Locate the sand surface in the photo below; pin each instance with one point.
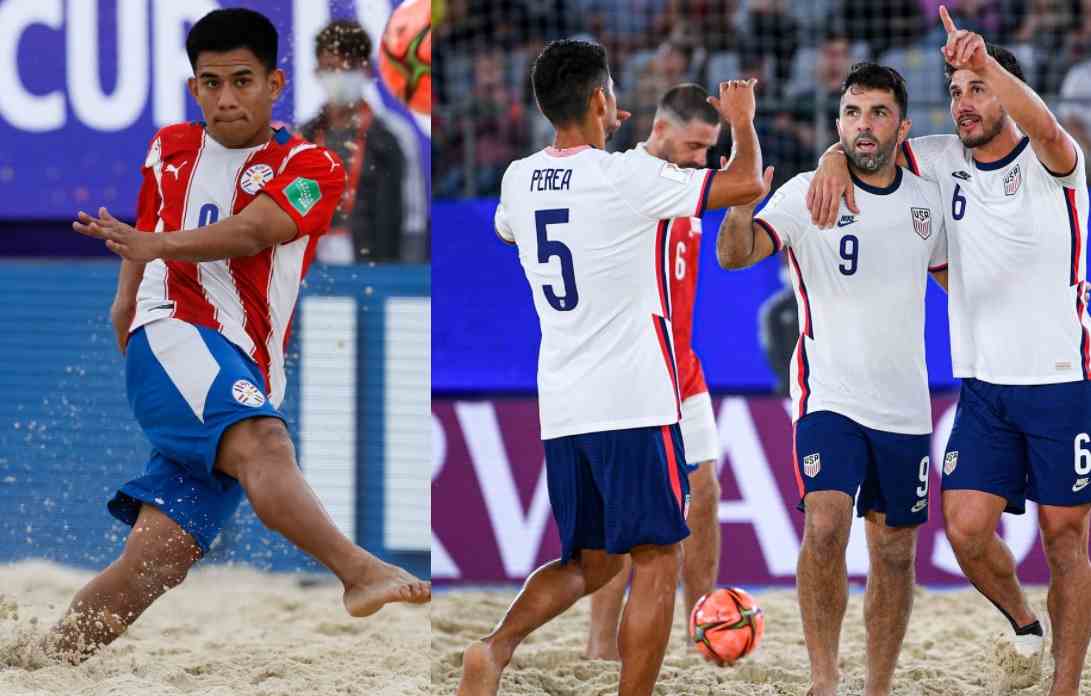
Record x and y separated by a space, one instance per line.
953 648
225 632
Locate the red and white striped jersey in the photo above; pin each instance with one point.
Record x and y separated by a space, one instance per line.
190 180
685 254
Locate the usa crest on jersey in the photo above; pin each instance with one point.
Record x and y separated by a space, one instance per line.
812 464
922 222
1012 180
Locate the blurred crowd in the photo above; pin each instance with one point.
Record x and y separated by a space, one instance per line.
800 50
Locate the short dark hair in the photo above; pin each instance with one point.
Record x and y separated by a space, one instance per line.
220 31
875 76
1006 58
689 101
565 75
344 38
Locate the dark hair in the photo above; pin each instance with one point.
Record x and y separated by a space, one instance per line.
220 31
344 38
689 101
565 75
875 76
1006 58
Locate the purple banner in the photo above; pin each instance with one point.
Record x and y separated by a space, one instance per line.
491 520
85 85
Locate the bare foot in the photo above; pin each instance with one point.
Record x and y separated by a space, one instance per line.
602 650
383 584
815 691
480 671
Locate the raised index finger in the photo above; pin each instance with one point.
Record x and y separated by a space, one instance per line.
945 17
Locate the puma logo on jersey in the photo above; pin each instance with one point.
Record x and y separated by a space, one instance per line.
920 505
846 220
1079 485
175 169
333 163
961 174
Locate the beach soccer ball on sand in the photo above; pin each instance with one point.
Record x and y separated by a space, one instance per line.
726 625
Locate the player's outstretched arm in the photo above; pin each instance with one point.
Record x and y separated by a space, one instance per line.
740 181
259 226
966 50
831 181
740 243
123 309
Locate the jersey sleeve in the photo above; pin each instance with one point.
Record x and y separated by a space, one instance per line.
923 154
148 201
309 189
785 217
501 221
656 188
1077 178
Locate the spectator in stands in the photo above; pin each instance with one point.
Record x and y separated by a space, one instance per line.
831 67
670 66
368 223
1074 110
883 25
1045 29
770 30
710 22
624 26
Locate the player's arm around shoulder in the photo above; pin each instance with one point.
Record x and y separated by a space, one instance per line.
742 240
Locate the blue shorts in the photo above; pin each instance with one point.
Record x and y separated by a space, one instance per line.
890 470
187 384
618 489
1024 441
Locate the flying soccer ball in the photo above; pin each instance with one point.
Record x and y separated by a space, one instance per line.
405 55
726 625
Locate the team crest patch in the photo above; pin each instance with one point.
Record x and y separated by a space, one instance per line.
950 461
812 464
1012 180
922 222
255 178
303 194
247 394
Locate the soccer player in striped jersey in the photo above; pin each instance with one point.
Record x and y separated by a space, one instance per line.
860 403
684 129
1015 198
591 234
228 218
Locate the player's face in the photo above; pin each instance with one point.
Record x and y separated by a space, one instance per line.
610 122
236 96
871 127
687 145
976 111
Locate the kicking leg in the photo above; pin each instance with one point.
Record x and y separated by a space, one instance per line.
156 558
259 453
646 625
1065 538
888 599
822 583
701 557
606 605
547 593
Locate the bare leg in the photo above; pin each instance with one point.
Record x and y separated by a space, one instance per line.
646 625
701 557
259 453
605 612
822 582
1065 538
156 558
888 599
970 520
547 593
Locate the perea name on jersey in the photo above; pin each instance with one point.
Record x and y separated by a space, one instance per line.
190 180
591 228
860 289
1017 245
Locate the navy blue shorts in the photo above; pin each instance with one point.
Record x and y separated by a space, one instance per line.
187 385
1022 441
618 489
890 470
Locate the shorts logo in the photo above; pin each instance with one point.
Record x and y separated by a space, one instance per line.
1080 484
1012 180
950 461
920 505
303 194
247 394
685 508
922 222
812 464
255 178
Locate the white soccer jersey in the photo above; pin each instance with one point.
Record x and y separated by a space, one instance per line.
860 289
591 228
1017 291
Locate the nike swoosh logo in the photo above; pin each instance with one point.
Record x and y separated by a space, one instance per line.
1079 486
845 224
921 504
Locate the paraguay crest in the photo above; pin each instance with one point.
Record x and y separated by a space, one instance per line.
1012 180
922 222
255 177
247 394
812 464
